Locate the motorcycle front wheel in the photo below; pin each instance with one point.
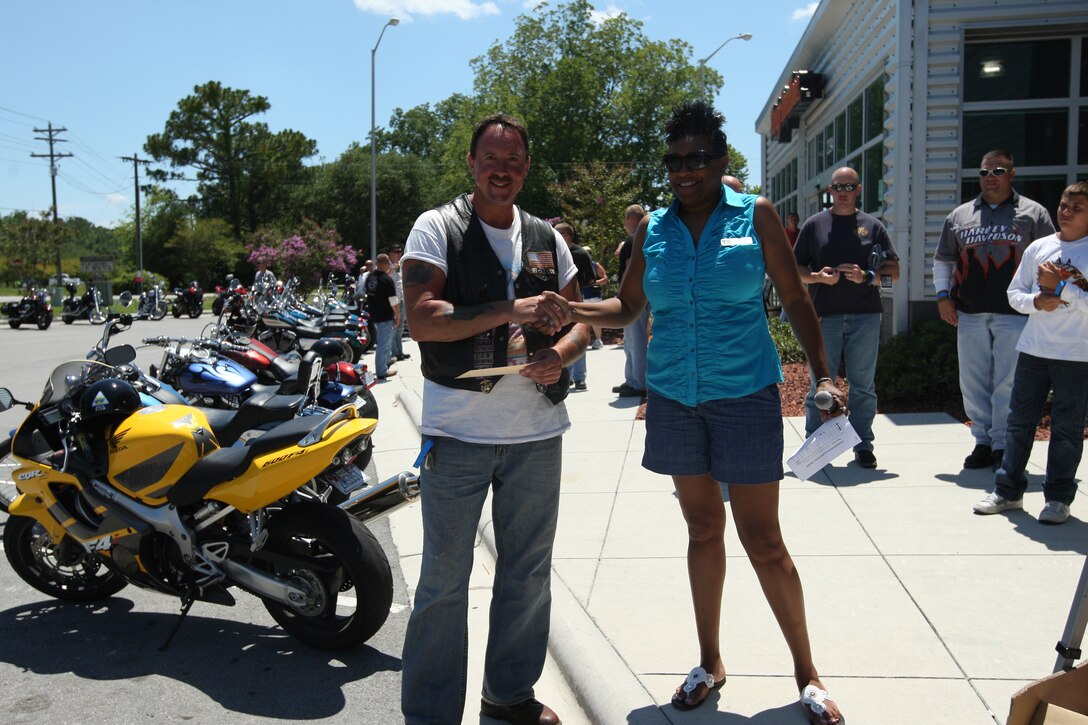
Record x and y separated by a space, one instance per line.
159 312
97 318
14 323
195 311
8 464
176 310
348 584
45 319
62 571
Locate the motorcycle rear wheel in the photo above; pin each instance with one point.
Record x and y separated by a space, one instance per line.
159 312
37 561
349 589
176 310
8 464
195 311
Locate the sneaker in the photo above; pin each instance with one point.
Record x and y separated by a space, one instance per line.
1055 512
995 504
580 385
865 459
997 456
981 457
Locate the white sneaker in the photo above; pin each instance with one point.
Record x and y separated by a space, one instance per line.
994 504
1055 512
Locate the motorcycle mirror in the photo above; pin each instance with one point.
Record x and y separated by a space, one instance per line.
126 298
7 400
120 355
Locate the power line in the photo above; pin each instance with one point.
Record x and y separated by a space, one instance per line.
24 115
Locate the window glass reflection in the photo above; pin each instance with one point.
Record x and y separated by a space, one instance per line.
1016 70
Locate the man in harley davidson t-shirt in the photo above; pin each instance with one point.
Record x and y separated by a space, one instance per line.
384 308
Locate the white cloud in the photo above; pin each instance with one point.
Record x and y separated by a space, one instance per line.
116 199
405 9
800 13
599 16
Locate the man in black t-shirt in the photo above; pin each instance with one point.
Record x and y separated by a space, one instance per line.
384 307
843 253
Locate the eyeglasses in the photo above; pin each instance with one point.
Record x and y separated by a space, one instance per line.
693 161
845 187
996 171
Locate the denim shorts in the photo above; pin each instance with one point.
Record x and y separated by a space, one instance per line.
735 440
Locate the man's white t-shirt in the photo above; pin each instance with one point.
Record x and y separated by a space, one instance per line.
514 411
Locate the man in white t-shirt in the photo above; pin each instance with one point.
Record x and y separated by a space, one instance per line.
474 273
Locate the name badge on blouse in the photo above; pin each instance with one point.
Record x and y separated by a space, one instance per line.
738 242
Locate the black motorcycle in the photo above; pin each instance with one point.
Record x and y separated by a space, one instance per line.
33 308
189 300
150 306
88 307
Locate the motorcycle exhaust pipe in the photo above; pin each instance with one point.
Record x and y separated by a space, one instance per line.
383 498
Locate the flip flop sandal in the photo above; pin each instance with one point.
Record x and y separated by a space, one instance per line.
812 699
696 677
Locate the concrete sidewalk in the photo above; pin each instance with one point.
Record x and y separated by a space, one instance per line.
918 610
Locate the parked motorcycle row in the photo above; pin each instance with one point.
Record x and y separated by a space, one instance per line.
36 309
232 465
33 309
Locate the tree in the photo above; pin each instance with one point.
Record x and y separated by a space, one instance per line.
592 200
202 249
239 164
587 91
33 240
307 253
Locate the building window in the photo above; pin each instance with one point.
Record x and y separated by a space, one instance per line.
1015 70
855 138
1022 94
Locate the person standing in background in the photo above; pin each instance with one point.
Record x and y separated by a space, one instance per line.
636 335
980 248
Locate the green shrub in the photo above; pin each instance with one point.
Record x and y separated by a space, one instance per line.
789 349
921 363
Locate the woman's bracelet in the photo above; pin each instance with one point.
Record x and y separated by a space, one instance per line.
942 295
820 380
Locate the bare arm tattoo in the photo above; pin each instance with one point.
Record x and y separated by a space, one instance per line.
467 313
418 274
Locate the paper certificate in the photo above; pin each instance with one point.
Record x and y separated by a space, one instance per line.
832 439
487 372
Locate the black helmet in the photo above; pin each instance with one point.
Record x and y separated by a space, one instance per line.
330 349
106 400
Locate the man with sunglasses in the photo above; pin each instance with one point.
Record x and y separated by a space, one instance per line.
976 258
835 253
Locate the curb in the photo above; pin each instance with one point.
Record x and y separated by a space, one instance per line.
584 655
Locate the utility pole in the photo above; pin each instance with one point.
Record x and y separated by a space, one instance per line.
136 161
52 156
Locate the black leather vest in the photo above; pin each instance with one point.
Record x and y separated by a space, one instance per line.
474 277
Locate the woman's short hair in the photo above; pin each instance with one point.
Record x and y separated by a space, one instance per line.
697 118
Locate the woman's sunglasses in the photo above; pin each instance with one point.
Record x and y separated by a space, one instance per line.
693 161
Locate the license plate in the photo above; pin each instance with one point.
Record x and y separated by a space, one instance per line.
369 379
347 479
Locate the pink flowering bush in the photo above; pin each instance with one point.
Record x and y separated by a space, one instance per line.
308 253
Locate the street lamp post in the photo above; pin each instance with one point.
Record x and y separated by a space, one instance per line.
702 63
373 149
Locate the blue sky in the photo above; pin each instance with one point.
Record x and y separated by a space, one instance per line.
111 71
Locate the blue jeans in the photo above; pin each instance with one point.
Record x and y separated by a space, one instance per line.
857 338
525 480
578 369
383 347
1033 379
986 345
397 348
635 340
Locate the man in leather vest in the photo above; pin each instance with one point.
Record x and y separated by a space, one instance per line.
474 274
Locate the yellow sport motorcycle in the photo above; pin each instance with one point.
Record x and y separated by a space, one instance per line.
114 491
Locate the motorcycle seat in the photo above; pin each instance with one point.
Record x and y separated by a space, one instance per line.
225 464
256 411
282 368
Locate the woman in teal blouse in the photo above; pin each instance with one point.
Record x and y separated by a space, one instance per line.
713 413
